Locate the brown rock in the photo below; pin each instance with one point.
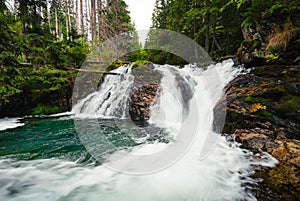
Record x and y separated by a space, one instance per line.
262 113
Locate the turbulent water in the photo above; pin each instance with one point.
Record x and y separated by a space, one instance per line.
46 159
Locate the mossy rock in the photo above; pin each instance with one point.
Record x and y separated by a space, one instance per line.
251 99
140 63
250 44
273 93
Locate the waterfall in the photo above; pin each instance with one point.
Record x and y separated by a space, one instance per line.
185 109
187 97
109 101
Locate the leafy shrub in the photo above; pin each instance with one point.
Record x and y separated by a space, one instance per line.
45 110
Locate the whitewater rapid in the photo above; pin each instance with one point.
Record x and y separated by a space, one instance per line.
220 173
9 123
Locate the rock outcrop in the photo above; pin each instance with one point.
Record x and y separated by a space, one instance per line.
263 113
142 99
269 43
145 90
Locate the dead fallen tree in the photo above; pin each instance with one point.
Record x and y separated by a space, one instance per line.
94 71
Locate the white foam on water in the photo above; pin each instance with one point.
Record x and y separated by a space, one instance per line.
9 123
109 101
223 174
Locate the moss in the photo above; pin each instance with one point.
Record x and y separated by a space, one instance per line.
139 63
45 110
272 59
289 104
116 64
249 99
250 45
273 93
294 103
262 101
280 178
268 115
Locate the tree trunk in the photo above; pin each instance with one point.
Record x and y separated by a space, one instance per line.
49 18
207 15
215 42
87 16
81 17
56 18
15 9
100 24
75 15
93 20
67 18
195 31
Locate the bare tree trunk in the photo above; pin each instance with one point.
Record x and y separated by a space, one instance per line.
69 15
75 14
93 20
56 19
88 14
100 22
49 18
15 9
67 18
215 42
207 15
195 31
81 17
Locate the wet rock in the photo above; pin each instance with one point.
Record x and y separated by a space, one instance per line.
145 91
262 113
142 99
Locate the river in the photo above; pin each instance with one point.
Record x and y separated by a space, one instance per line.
67 157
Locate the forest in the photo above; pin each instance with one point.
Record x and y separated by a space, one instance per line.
41 40
158 127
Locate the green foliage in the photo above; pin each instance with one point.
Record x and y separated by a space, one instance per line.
139 63
215 25
44 55
45 80
45 110
39 42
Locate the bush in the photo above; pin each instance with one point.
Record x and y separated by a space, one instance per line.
45 110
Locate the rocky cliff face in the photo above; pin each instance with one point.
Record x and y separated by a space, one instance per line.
263 113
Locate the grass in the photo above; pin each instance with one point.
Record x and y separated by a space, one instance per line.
281 39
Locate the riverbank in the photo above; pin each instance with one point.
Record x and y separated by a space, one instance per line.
263 114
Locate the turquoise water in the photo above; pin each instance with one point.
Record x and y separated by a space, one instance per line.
41 138
46 138
46 160
50 158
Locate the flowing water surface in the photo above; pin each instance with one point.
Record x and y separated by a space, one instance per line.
48 158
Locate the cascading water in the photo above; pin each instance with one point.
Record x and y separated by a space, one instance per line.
110 100
222 175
